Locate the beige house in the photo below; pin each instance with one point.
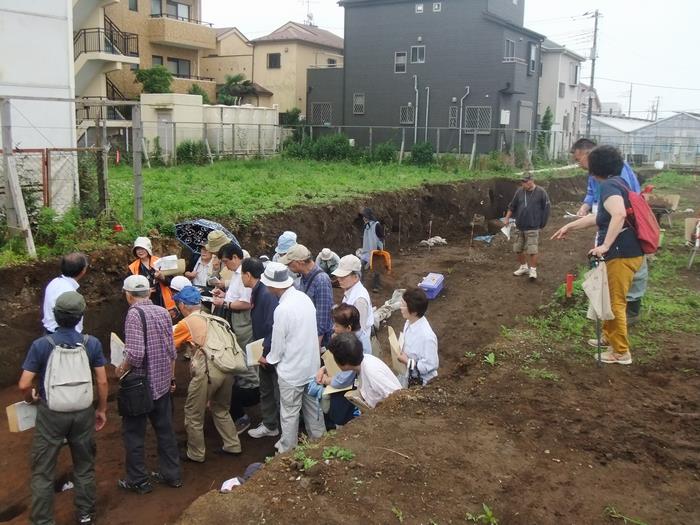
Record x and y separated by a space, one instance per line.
280 61
170 33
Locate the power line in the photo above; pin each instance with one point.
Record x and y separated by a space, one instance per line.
649 85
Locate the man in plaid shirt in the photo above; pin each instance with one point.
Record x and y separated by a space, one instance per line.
316 284
151 354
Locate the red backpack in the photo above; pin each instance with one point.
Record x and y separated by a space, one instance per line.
642 220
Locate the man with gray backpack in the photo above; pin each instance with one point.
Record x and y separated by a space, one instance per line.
64 362
216 357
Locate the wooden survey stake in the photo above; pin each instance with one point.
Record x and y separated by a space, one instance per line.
398 367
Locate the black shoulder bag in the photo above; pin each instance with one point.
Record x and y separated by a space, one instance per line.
134 397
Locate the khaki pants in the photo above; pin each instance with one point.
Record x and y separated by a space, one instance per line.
217 391
620 273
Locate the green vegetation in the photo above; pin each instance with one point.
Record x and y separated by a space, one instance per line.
235 87
487 516
336 452
398 513
196 89
155 80
422 154
192 152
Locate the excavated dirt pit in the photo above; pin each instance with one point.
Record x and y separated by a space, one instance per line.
469 438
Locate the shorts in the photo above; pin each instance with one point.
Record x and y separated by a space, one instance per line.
526 241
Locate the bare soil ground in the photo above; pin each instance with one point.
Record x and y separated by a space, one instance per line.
534 450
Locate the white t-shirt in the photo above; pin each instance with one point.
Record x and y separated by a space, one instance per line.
420 344
294 346
377 381
236 291
55 288
203 270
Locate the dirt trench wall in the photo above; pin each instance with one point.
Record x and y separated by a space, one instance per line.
406 215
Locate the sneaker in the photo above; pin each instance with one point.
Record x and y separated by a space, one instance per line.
533 274
594 343
85 519
140 488
242 424
262 431
611 357
523 270
158 478
222 452
278 444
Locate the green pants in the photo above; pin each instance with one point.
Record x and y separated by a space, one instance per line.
78 428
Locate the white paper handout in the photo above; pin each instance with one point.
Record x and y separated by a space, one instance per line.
169 262
116 347
254 352
506 231
21 416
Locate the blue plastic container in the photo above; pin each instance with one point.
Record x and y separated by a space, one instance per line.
432 284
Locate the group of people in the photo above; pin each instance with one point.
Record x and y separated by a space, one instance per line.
605 206
224 305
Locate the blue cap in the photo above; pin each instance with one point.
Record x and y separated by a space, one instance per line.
285 242
188 295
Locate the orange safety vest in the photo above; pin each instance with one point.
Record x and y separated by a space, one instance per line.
165 291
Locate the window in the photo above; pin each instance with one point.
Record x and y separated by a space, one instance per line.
565 125
562 89
400 62
437 7
156 60
179 67
477 118
406 115
509 51
178 10
156 7
358 103
133 5
133 67
419 9
321 113
574 72
274 60
453 117
532 58
417 54
332 62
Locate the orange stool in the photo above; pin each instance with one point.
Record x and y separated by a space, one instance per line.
382 254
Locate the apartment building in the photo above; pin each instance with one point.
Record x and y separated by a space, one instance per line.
466 65
170 33
560 90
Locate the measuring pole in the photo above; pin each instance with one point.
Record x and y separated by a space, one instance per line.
594 53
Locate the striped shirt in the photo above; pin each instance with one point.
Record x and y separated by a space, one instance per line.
317 285
160 354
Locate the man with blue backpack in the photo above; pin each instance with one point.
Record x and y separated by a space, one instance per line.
63 362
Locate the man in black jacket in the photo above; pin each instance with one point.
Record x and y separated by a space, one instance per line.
530 209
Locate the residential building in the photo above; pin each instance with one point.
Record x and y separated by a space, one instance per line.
281 59
468 66
171 34
612 108
560 91
36 60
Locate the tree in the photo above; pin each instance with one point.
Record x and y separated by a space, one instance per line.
234 89
155 80
544 137
196 89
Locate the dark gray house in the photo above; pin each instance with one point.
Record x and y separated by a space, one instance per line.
458 65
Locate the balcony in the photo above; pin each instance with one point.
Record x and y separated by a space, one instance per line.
176 31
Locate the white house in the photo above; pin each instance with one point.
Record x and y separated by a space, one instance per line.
560 91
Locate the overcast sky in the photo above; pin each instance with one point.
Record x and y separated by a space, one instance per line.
642 45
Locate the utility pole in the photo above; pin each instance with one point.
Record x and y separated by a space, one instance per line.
656 108
594 53
629 106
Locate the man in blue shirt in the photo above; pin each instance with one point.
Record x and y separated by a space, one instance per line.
53 427
580 150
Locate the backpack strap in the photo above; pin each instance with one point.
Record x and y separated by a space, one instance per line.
142 315
311 280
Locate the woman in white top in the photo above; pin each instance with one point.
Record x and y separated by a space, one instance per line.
348 272
203 268
419 347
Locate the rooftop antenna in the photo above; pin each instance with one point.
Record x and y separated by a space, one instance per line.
309 20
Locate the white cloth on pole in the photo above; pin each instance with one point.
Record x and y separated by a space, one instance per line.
595 285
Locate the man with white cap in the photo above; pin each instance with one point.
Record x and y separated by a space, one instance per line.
349 274
327 260
316 284
294 351
149 351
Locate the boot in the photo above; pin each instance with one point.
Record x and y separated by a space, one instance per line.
376 282
633 311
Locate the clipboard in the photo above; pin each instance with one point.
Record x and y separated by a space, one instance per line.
398 367
116 350
332 369
254 352
21 416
